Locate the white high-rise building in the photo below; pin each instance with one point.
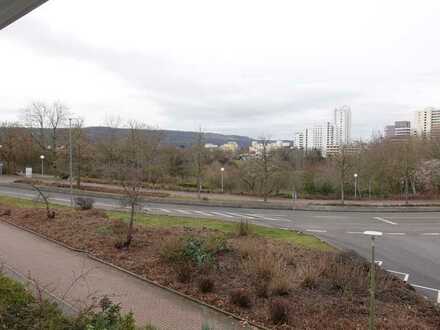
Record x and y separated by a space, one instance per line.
427 122
318 137
298 140
342 123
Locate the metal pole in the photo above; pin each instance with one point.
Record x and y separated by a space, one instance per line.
70 162
372 287
42 167
222 183
355 187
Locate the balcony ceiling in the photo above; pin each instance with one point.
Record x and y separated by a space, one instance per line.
12 10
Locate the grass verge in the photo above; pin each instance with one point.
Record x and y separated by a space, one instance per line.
166 221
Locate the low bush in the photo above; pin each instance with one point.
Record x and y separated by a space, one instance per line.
279 311
84 203
280 284
184 271
171 249
241 297
19 309
206 284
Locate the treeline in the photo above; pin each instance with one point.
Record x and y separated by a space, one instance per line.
407 168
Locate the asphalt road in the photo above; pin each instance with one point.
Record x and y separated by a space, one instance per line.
409 247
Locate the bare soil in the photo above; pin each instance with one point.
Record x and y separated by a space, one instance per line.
316 290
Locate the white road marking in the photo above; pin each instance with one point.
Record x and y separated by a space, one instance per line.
203 213
148 209
104 204
430 289
405 275
395 234
265 218
379 262
430 234
316 231
238 215
385 220
222 214
183 211
165 210
60 199
354 232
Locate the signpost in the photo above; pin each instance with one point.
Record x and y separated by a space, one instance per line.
1 168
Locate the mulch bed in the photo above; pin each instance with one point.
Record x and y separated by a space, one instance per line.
320 305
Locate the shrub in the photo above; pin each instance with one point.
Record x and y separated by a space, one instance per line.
279 311
171 249
206 284
242 228
240 297
184 271
280 284
84 203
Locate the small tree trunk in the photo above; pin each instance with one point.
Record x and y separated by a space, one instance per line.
406 191
130 226
369 188
342 193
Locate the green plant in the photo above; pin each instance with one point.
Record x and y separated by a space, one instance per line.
196 250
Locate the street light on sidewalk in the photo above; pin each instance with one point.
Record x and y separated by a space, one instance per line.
373 235
42 165
355 185
222 170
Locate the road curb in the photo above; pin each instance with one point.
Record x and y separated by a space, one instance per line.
143 279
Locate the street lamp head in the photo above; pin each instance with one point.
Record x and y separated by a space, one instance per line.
372 233
355 175
42 157
222 169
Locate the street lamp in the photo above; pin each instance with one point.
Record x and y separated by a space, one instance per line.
355 185
222 170
373 235
42 165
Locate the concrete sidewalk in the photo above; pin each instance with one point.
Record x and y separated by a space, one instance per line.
76 279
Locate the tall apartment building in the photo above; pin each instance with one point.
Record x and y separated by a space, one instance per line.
427 122
400 129
342 122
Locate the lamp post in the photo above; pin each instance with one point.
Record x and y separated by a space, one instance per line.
222 170
70 162
355 185
42 165
373 235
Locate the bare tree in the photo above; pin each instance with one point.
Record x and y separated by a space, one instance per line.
129 170
41 117
199 154
343 164
266 167
49 213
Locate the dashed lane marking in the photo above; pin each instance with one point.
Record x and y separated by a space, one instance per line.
183 211
430 234
165 210
395 234
316 231
265 218
203 213
385 220
222 214
238 215
354 232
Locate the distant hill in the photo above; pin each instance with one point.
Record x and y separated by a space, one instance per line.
176 138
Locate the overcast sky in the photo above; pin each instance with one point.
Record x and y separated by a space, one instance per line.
241 67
